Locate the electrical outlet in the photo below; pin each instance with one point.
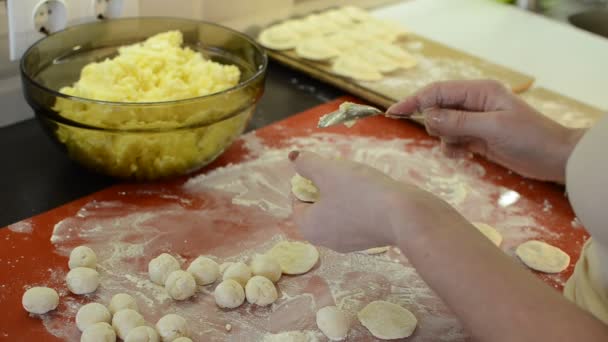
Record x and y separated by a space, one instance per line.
31 20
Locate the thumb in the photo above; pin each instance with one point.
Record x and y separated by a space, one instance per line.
321 171
458 123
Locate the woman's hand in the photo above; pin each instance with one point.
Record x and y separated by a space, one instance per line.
360 207
486 118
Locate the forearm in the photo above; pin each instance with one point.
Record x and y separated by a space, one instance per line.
496 299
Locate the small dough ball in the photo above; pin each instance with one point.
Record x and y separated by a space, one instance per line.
171 327
204 270
265 266
160 267
82 280
490 232
238 271
40 300
224 266
304 189
229 294
387 320
294 257
182 339
90 314
98 332
126 320
142 334
333 322
122 301
260 291
82 256
542 257
180 285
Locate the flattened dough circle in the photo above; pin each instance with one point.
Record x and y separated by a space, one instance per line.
387 320
542 256
490 232
294 257
356 68
304 189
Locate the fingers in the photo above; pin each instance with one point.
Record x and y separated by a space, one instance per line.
321 171
480 95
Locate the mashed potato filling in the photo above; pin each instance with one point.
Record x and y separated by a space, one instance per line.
156 70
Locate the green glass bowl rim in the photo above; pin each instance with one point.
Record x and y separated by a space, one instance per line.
259 73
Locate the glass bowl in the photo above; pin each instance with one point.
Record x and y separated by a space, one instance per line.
142 141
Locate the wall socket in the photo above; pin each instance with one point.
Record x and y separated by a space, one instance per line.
31 20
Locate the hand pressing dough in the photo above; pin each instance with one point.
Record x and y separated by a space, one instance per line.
333 322
355 67
316 49
294 257
142 334
90 314
490 232
260 291
82 280
229 294
82 256
40 300
180 285
279 37
265 266
204 270
542 257
98 332
387 320
304 189
238 271
171 327
126 320
122 301
160 267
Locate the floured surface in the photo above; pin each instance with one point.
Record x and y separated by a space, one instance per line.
242 207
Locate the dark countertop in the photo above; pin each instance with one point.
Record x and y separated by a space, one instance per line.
35 176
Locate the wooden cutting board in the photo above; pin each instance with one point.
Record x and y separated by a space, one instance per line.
436 62
128 224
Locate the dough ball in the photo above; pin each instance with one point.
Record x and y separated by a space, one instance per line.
142 334
82 256
229 294
333 322
160 267
82 280
171 327
40 300
90 314
180 285
126 320
98 332
122 301
260 291
387 320
294 257
303 189
542 257
265 266
182 339
224 266
489 232
204 270
238 271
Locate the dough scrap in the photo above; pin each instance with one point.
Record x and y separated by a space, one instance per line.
205 270
171 327
229 294
90 314
265 266
40 300
304 189
355 67
316 49
180 285
160 267
333 322
122 301
98 332
260 291
142 334
377 250
82 280
126 320
239 272
387 321
542 257
490 232
294 257
82 256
